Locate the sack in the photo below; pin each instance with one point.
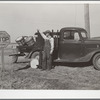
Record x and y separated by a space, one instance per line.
34 62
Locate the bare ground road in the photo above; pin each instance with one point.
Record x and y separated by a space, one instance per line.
78 77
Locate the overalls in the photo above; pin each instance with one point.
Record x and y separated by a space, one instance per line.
46 61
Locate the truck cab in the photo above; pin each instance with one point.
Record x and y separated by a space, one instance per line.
75 46
71 44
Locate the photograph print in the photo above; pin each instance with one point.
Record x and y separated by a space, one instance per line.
50 46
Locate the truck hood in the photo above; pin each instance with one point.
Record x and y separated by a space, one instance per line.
94 40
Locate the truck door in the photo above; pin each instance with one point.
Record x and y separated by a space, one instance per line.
70 46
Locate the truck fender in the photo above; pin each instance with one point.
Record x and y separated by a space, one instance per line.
93 54
30 54
90 56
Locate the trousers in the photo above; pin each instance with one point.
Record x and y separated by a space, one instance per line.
40 59
46 60
46 56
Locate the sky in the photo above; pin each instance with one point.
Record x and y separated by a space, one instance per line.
19 19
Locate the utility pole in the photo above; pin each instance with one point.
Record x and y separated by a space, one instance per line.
87 19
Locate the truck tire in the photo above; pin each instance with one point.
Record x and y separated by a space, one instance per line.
96 61
15 58
35 55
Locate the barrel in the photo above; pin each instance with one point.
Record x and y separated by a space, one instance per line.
20 41
29 41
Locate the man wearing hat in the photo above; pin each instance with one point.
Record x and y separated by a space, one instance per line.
48 50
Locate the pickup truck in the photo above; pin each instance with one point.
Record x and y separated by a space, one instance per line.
72 45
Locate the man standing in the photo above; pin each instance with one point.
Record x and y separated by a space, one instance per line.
48 50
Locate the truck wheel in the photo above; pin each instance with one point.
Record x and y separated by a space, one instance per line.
35 55
15 58
96 61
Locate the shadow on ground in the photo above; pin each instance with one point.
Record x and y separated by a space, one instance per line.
83 64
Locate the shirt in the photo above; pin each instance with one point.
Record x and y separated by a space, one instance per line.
51 41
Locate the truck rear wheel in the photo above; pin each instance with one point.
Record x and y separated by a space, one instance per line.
96 61
35 55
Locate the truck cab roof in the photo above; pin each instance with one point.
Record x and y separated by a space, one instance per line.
73 28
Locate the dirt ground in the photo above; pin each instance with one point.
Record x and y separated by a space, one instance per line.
78 77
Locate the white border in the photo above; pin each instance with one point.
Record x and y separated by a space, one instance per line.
50 94
51 2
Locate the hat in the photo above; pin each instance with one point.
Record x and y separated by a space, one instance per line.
47 31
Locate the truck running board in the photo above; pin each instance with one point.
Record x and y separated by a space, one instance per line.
61 60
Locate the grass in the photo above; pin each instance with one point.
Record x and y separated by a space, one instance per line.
59 78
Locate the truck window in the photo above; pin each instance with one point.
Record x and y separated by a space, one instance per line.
66 35
76 36
84 34
71 35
